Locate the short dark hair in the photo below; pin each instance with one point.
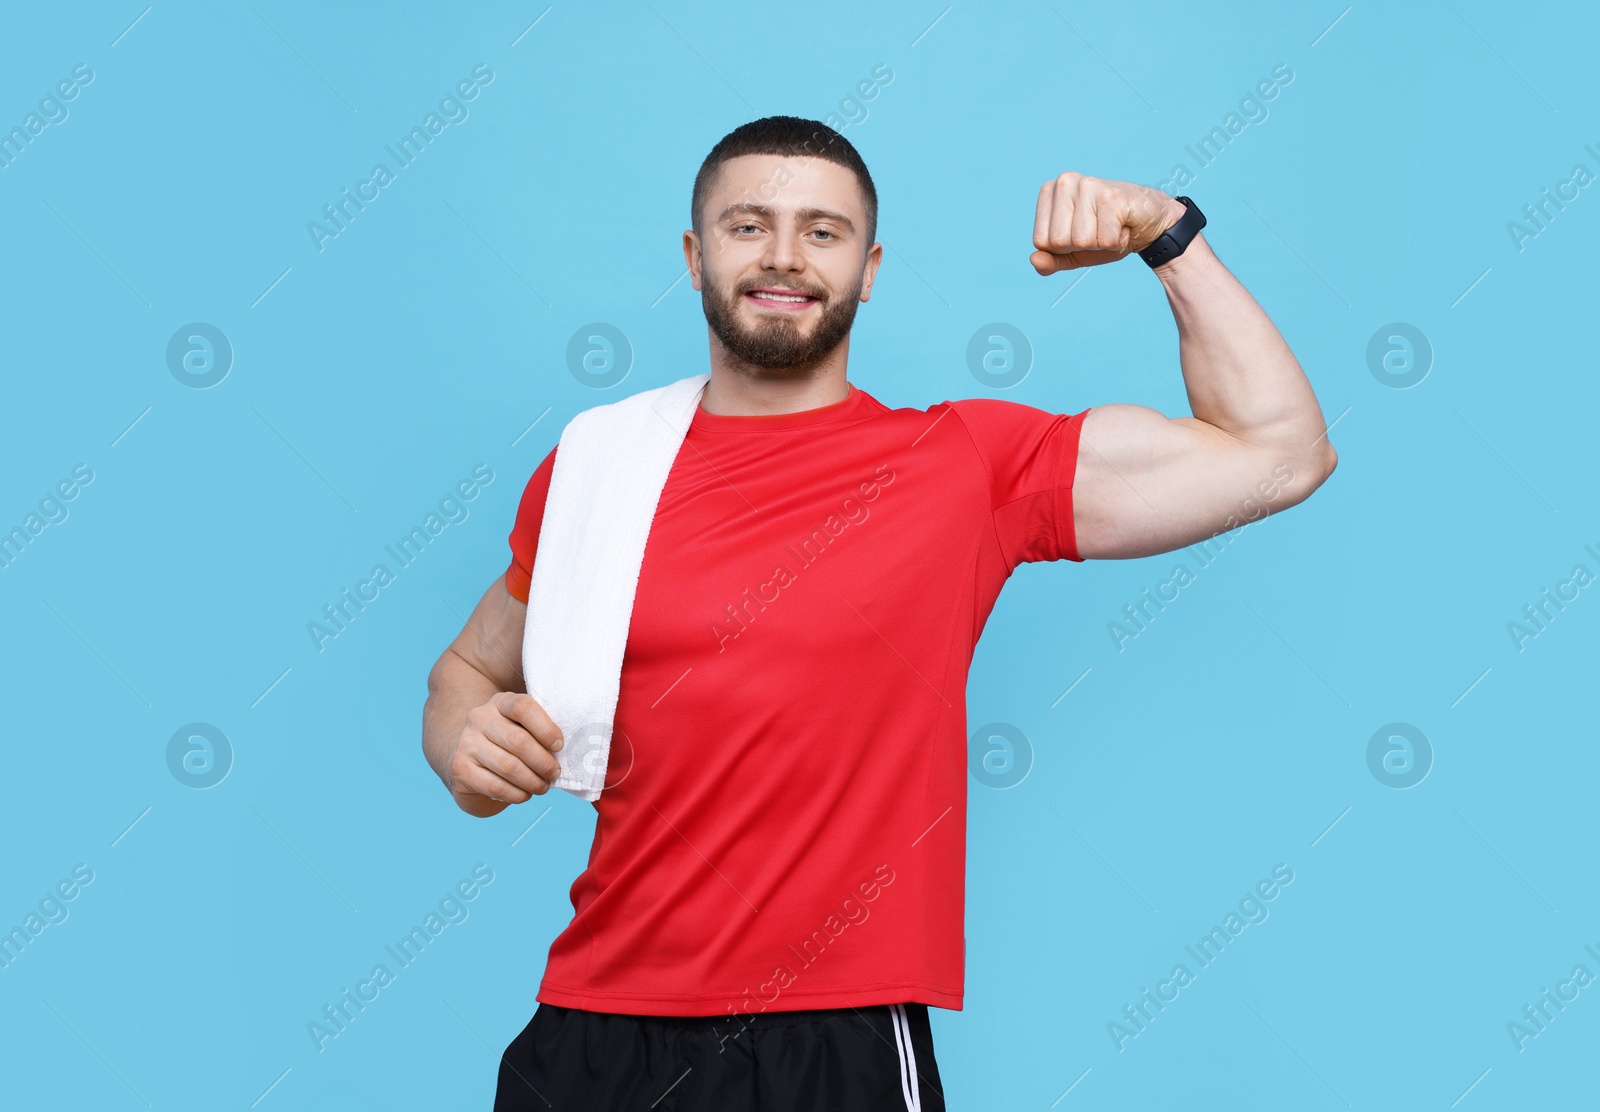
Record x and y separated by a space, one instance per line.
789 136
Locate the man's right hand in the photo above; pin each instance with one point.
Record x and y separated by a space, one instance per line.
489 743
504 754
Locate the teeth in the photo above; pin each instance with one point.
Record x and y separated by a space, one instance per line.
781 297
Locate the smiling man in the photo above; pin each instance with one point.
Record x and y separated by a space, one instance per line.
774 895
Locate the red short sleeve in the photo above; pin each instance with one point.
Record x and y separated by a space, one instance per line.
524 537
1031 456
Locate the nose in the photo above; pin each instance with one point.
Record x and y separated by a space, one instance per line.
783 250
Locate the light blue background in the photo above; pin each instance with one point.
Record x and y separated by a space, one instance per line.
429 335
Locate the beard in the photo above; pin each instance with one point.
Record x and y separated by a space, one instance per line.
777 343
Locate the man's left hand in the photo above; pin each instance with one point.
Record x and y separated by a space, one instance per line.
1083 221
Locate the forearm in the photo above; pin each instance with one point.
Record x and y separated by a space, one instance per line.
454 688
1240 374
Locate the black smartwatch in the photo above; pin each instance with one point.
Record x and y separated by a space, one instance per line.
1172 242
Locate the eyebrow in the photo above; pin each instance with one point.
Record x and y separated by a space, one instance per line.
806 214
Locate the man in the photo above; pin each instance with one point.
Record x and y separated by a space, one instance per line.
774 896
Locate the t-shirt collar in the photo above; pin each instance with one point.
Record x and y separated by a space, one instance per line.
773 422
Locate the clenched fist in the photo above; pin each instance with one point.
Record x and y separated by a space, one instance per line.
505 753
1084 221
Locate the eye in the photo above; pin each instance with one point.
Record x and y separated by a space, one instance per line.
823 232
741 227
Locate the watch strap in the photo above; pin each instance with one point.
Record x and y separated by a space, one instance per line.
1171 243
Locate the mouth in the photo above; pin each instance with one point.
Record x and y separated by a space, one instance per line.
781 298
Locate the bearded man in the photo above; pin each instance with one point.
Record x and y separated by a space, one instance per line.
774 895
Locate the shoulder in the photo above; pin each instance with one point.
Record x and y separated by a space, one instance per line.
531 506
985 425
999 427
989 413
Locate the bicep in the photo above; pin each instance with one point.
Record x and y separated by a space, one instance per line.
491 641
1147 483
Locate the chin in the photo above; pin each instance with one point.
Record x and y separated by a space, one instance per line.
765 345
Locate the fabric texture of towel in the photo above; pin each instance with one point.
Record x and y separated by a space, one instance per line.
611 464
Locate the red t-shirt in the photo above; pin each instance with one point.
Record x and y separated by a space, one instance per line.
785 826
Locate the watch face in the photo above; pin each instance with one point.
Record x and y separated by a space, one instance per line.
1187 225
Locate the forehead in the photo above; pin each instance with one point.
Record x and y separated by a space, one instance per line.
785 182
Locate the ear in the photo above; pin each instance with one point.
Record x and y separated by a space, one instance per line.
869 269
692 256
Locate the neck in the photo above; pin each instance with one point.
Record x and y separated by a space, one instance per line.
737 389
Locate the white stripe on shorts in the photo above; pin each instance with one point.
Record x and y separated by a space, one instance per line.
908 1057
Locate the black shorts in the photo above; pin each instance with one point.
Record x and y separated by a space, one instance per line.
839 1059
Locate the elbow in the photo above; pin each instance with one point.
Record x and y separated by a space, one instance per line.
1328 461
1311 469
1296 474
1322 464
436 674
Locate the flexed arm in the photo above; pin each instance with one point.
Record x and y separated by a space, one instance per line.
1256 442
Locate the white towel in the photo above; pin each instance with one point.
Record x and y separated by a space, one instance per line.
611 464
